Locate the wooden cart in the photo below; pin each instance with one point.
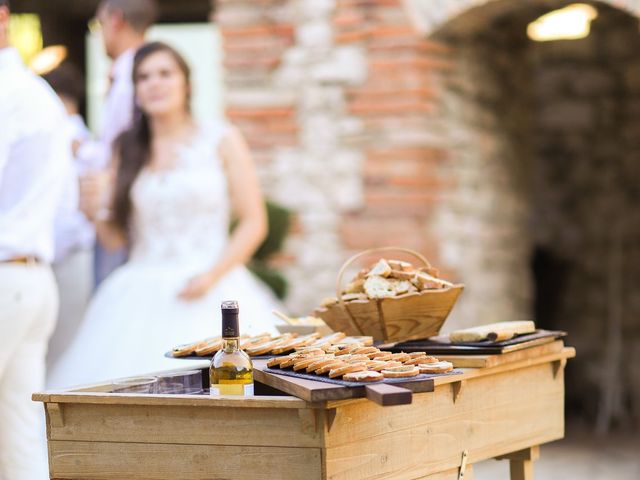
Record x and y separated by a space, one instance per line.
502 411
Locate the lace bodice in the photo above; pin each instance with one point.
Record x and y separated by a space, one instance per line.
181 215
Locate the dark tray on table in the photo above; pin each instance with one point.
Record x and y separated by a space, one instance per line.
441 345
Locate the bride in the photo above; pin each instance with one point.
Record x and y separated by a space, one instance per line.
174 184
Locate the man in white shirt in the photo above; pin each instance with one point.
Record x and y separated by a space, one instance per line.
123 24
74 234
35 158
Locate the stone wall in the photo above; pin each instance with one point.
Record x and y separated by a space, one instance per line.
483 226
336 100
543 221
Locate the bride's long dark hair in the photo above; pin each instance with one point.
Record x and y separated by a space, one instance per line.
133 146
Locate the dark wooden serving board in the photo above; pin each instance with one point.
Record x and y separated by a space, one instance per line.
441 345
395 392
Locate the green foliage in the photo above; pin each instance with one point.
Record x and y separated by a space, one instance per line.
279 220
270 276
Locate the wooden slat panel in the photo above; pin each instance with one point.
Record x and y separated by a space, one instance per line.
467 373
451 474
88 397
494 415
416 316
564 354
186 425
302 388
137 461
486 361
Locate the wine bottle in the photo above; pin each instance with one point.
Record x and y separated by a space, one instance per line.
231 371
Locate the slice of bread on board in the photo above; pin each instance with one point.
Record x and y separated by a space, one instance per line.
495 332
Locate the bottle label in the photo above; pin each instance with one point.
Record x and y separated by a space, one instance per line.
232 389
230 324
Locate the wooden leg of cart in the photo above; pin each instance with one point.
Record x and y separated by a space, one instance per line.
521 463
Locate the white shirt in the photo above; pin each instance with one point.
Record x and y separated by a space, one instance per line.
35 158
116 116
72 229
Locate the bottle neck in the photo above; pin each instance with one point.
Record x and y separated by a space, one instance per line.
230 324
230 345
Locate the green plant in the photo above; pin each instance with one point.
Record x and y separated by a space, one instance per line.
279 220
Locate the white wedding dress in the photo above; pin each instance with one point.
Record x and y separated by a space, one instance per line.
180 224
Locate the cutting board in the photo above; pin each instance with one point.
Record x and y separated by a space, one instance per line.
487 361
441 345
316 391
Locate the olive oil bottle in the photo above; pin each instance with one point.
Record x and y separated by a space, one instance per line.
231 371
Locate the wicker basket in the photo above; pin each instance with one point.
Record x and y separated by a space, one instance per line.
410 316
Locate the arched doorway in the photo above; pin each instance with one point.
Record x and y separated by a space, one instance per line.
460 138
543 220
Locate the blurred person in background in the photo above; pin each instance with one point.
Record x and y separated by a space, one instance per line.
175 186
74 233
35 161
123 24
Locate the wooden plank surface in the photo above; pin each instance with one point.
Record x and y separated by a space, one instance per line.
418 315
451 474
386 395
87 397
302 388
468 373
498 409
365 315
551 359
138 461
486 361
317 391
495 415
184 425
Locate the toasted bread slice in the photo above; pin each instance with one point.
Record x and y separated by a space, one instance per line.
437 367
364 376
401 372
348 368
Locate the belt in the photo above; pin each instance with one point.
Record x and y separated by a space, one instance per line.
24 260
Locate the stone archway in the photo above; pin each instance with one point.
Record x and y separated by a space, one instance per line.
543 220
430 17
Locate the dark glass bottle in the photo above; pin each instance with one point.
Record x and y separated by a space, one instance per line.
231 371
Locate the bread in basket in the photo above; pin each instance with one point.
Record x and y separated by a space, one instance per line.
392 301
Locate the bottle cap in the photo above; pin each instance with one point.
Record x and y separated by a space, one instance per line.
230 305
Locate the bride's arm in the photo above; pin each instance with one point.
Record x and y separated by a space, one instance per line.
248 206
246 200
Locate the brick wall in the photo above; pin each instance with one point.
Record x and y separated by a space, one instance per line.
336 98
396 107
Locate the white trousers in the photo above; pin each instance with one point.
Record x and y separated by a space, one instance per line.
28 312
74 276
